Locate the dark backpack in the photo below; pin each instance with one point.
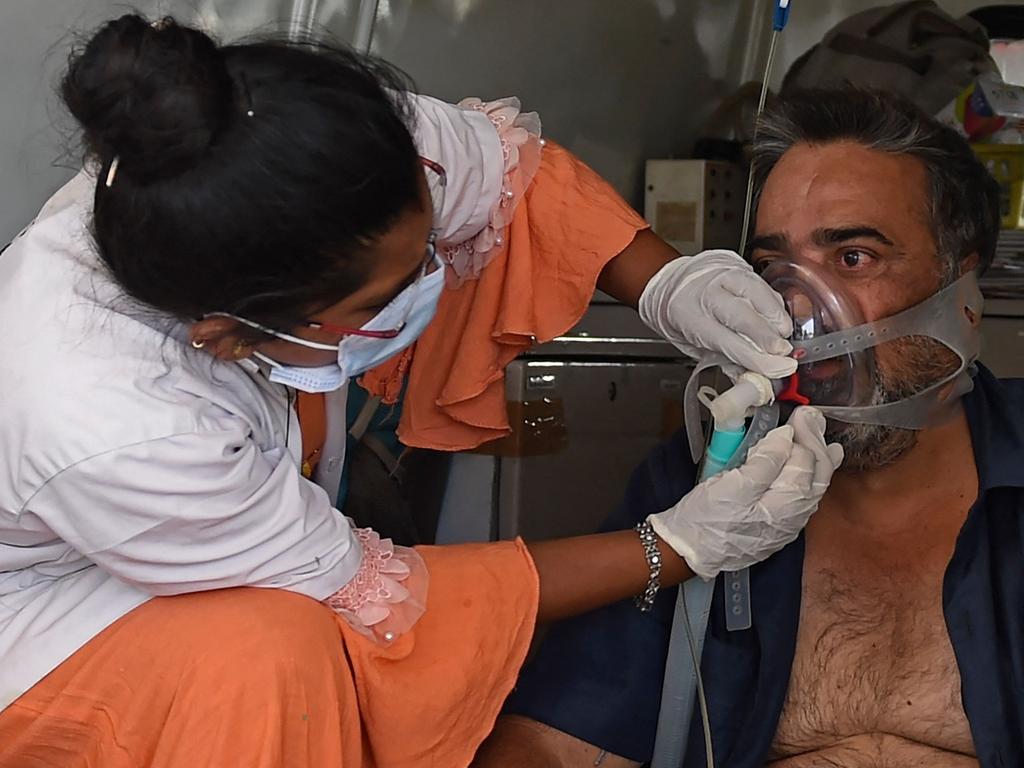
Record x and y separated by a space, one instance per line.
397 492
911 48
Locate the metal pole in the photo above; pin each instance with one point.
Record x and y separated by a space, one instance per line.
365 21
303 16
755 40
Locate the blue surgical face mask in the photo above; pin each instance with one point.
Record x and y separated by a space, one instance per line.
411 310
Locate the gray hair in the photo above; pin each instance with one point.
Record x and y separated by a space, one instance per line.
964 198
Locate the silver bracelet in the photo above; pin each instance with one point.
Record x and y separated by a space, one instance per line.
649 540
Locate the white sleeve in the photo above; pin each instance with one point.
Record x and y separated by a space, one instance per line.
198 511
491 152
466 144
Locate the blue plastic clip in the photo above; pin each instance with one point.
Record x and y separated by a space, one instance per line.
781 15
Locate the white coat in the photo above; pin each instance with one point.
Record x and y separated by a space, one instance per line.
132 466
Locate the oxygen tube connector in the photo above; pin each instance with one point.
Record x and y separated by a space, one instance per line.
729 412
781 15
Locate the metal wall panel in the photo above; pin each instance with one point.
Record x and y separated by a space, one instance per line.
35 36
616 82
613 413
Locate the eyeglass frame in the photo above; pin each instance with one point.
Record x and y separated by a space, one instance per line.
429 259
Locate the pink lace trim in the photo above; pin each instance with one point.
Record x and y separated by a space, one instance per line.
521 145
388 594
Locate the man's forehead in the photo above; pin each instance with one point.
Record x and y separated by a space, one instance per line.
843 183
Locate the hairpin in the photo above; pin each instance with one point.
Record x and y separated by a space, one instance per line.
248 95
112 172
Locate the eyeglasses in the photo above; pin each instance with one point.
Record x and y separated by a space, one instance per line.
430 260
409 295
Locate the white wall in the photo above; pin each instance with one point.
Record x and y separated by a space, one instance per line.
35 36
616 81
31 54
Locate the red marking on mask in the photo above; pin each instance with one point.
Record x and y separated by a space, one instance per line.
791 392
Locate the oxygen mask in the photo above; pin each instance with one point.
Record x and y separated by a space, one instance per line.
838 351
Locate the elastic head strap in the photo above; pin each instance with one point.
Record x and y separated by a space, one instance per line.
942 316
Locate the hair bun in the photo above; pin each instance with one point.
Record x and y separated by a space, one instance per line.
154 95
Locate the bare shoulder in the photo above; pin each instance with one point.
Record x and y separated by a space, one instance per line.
520 742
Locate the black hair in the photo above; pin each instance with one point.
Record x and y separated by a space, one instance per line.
964 198
249 177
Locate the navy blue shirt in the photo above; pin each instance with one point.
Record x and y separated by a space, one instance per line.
599 676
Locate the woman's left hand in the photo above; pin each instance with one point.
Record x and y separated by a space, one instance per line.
715 302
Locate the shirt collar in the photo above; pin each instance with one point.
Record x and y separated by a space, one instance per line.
995 416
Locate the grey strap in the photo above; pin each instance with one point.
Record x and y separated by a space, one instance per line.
375 444
362 422
680 688
387 458
944 316
693 607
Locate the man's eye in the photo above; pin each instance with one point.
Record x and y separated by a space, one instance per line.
853 259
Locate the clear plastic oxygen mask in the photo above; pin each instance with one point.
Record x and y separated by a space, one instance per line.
838 351
817 311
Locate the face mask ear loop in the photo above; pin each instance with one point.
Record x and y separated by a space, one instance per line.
278 334
263 358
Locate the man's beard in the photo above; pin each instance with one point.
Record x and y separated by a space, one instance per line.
903 368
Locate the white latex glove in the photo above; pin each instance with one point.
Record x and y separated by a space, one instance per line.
715 302
738 518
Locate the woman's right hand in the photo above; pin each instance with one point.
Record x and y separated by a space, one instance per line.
738 518
714 302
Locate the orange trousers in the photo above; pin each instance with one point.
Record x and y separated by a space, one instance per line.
254 678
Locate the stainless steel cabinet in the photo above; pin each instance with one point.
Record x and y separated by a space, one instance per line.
586 409
597 421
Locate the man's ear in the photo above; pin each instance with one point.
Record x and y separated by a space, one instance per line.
969 263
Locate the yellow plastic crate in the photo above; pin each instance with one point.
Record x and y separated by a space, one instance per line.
1006 164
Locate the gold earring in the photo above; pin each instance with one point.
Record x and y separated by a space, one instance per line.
198 343
240 350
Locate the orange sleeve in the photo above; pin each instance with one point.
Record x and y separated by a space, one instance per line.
570 224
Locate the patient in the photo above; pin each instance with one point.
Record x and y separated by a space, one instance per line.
892 632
